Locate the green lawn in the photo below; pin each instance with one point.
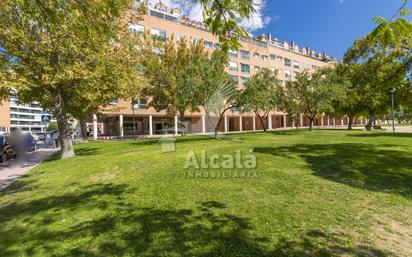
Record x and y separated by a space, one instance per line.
320 193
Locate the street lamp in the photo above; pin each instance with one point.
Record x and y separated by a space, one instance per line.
392 91
133 117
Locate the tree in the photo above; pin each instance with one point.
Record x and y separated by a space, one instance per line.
222 16
173 74
351 100
289 105
313 93
224 97
67 54
183 77
54 50
261 94
52 126
383 59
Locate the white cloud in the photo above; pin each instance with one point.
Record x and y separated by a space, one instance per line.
258 20
194 11
341 1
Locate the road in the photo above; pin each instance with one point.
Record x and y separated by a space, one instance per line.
11 170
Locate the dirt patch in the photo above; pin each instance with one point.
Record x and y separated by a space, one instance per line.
394 235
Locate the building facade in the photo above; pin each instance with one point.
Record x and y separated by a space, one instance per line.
25 117
4 116
256 53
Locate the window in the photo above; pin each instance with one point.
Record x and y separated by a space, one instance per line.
136 28
288 63
279 58
264 57
194 41
287 73
244 54
234 109
244 79
171 18
272 57
208 44
157 14
245 68
181 37
280 82
257 68
140 104
233 66
114 101
233 53
235 78
256 55
296 64
295 74
217 45
157 33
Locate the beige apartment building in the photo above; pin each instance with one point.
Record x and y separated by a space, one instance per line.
4 116
256 53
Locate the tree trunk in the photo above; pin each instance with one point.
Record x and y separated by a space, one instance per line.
182 123
261 122
350 124
310 123
369 124
65 132
221 116
83 129
217 126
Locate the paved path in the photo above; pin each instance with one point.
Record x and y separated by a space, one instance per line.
402 129
10 171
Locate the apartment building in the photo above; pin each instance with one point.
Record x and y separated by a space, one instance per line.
26 117
4 116
256 53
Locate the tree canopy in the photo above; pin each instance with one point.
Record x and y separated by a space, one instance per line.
67 55
312 93
261 94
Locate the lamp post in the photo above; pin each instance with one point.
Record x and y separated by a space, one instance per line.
392 91
134 123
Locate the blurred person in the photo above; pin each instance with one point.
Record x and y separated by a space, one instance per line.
55 139
17 140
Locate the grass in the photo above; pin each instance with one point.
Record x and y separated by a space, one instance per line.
320 193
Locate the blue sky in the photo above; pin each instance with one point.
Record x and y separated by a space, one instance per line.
323 25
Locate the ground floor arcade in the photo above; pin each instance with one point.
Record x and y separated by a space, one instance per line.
154 125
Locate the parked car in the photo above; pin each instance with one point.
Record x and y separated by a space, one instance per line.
41 136
6 150
30 143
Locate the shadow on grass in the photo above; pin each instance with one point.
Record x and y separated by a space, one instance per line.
116 227
184 139
87 151
372 167
383 134
288 132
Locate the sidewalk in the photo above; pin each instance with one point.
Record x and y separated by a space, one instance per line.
10 172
